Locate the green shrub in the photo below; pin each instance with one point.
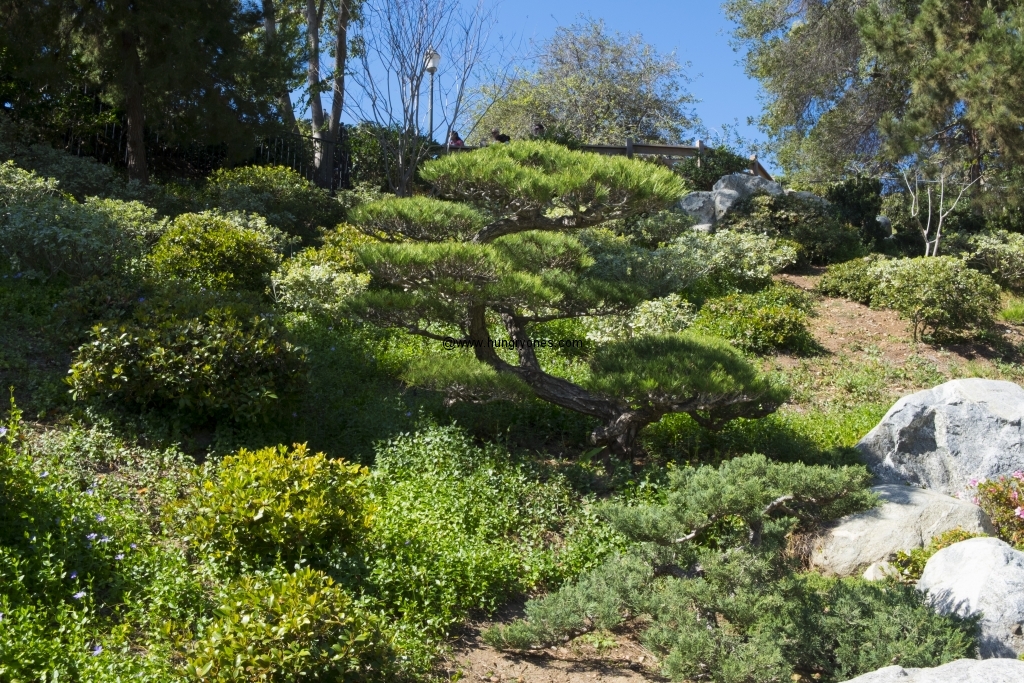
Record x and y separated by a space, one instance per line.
277 505
215 365
1002 502
709 578
858 201
46 233
288 201
296 627
704 171
727 262
823 237
1001 255
939 295
854 279
772 320
908 567
218 252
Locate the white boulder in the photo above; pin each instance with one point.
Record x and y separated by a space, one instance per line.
746 184
960 671
907 518
700 205
943 438
986 576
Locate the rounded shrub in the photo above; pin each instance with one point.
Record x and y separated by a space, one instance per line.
851 279
277 505
703 172
823 237
940 295
771 320
1000 254
287 200
216 252
215 365
292 628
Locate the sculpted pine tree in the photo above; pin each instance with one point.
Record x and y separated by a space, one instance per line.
515 241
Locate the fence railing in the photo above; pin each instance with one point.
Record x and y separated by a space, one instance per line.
302 153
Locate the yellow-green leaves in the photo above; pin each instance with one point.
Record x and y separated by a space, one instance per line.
418 218
258 507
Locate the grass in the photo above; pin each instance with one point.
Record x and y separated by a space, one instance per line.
1013 311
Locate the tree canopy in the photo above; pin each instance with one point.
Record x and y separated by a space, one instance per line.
513 242
596 87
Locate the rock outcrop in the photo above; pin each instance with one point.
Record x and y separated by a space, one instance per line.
907 518
943 438
986 576
708 207
960 671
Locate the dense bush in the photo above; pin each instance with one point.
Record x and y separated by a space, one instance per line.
216 365
704 171
288 201
218 252
297 627
854 279
666 315
727 261
771 320
46 233
1003 501
277 505
939 295
823 237
1001 255
858 201
708 573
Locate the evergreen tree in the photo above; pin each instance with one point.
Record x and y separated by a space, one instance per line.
513 243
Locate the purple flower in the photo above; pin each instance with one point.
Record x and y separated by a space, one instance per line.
119 556
79 595
105 539
3 431
133 546
91 537
96 650
44 475
73 575
1 616
100 518
141 299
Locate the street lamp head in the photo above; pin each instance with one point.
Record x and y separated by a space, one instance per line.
431 60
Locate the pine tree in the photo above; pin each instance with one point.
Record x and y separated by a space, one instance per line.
514 242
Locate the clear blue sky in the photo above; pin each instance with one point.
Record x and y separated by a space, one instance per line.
696 30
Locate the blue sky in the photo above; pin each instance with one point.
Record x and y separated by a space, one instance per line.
696 30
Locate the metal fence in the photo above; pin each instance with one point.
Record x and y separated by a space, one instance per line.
301 152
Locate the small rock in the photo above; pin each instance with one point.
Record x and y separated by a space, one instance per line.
960 671
700 205
983 575
907 518
943 438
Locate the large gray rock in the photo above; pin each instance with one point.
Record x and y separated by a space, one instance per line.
981 575
907 518
700 205
732 189
943 438
808 197
960 671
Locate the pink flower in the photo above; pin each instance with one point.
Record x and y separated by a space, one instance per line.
1019 512
1018 475
972 482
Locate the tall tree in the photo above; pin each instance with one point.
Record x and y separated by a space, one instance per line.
326 128
597 87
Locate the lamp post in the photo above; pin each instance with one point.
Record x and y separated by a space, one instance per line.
431 60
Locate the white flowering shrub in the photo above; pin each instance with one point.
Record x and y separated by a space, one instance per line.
669 314
315 286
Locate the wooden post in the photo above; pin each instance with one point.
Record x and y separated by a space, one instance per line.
753 164
629 148
700 151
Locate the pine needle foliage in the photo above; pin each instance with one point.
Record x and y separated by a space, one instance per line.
519 235
709 582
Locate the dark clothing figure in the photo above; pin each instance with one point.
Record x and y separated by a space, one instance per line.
499 136
454 140
538 130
